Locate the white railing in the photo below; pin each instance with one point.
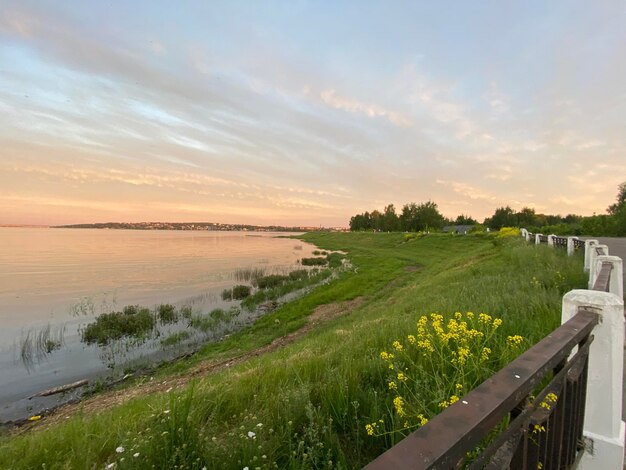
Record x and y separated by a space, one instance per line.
604 430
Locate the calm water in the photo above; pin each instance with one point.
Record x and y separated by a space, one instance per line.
63 278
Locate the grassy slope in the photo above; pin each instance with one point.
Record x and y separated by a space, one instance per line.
314 396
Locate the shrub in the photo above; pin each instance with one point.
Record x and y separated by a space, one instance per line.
186 312
227 294
241 292
298 274
508 232
167 314
272 280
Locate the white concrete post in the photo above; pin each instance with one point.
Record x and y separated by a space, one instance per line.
524 233
551 240
592 263
537 239
570 245
588 244
616 284
603 407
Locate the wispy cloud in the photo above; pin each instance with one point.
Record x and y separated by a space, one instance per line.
251 112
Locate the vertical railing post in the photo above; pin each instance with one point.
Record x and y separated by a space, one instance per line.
570 245
524 233
551 240
603 426
592 262
588 245
537 239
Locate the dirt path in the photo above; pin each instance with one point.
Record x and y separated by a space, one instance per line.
109 399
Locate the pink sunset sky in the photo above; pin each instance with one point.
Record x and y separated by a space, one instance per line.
305 113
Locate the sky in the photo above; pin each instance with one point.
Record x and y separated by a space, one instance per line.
306 113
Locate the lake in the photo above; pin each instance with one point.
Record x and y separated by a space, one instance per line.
60 279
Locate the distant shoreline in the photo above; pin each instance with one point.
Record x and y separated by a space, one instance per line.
198 226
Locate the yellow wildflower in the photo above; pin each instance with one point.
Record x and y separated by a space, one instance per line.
393 385
398 404
411 339
454 399
458 387
497 322
423 419
515 340
444 404
397 345
402 377
385 356
464 353
370 428
484 355
484 318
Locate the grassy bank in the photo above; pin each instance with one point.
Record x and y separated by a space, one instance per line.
307 405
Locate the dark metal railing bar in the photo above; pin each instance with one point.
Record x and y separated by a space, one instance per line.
448 436
557 383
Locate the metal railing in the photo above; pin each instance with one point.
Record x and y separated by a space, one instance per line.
542 432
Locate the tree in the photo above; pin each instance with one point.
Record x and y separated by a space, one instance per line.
390 222
424 216
526 217
618 211
621 199
465 220
503 217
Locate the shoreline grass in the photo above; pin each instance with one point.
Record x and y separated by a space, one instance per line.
306 405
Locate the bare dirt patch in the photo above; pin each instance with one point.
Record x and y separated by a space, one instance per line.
413 268
109 399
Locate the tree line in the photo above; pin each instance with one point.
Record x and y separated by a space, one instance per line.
426 216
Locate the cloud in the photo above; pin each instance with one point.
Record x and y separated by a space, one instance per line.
331 98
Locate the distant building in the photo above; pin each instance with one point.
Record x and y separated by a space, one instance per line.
462 229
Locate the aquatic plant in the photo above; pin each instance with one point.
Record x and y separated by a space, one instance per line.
133 321
272 280
167 314
248 274
314 261
240 292
37 344
175 338
227 294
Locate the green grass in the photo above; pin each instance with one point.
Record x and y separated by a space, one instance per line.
306 405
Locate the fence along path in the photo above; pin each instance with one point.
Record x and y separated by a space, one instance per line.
574 422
